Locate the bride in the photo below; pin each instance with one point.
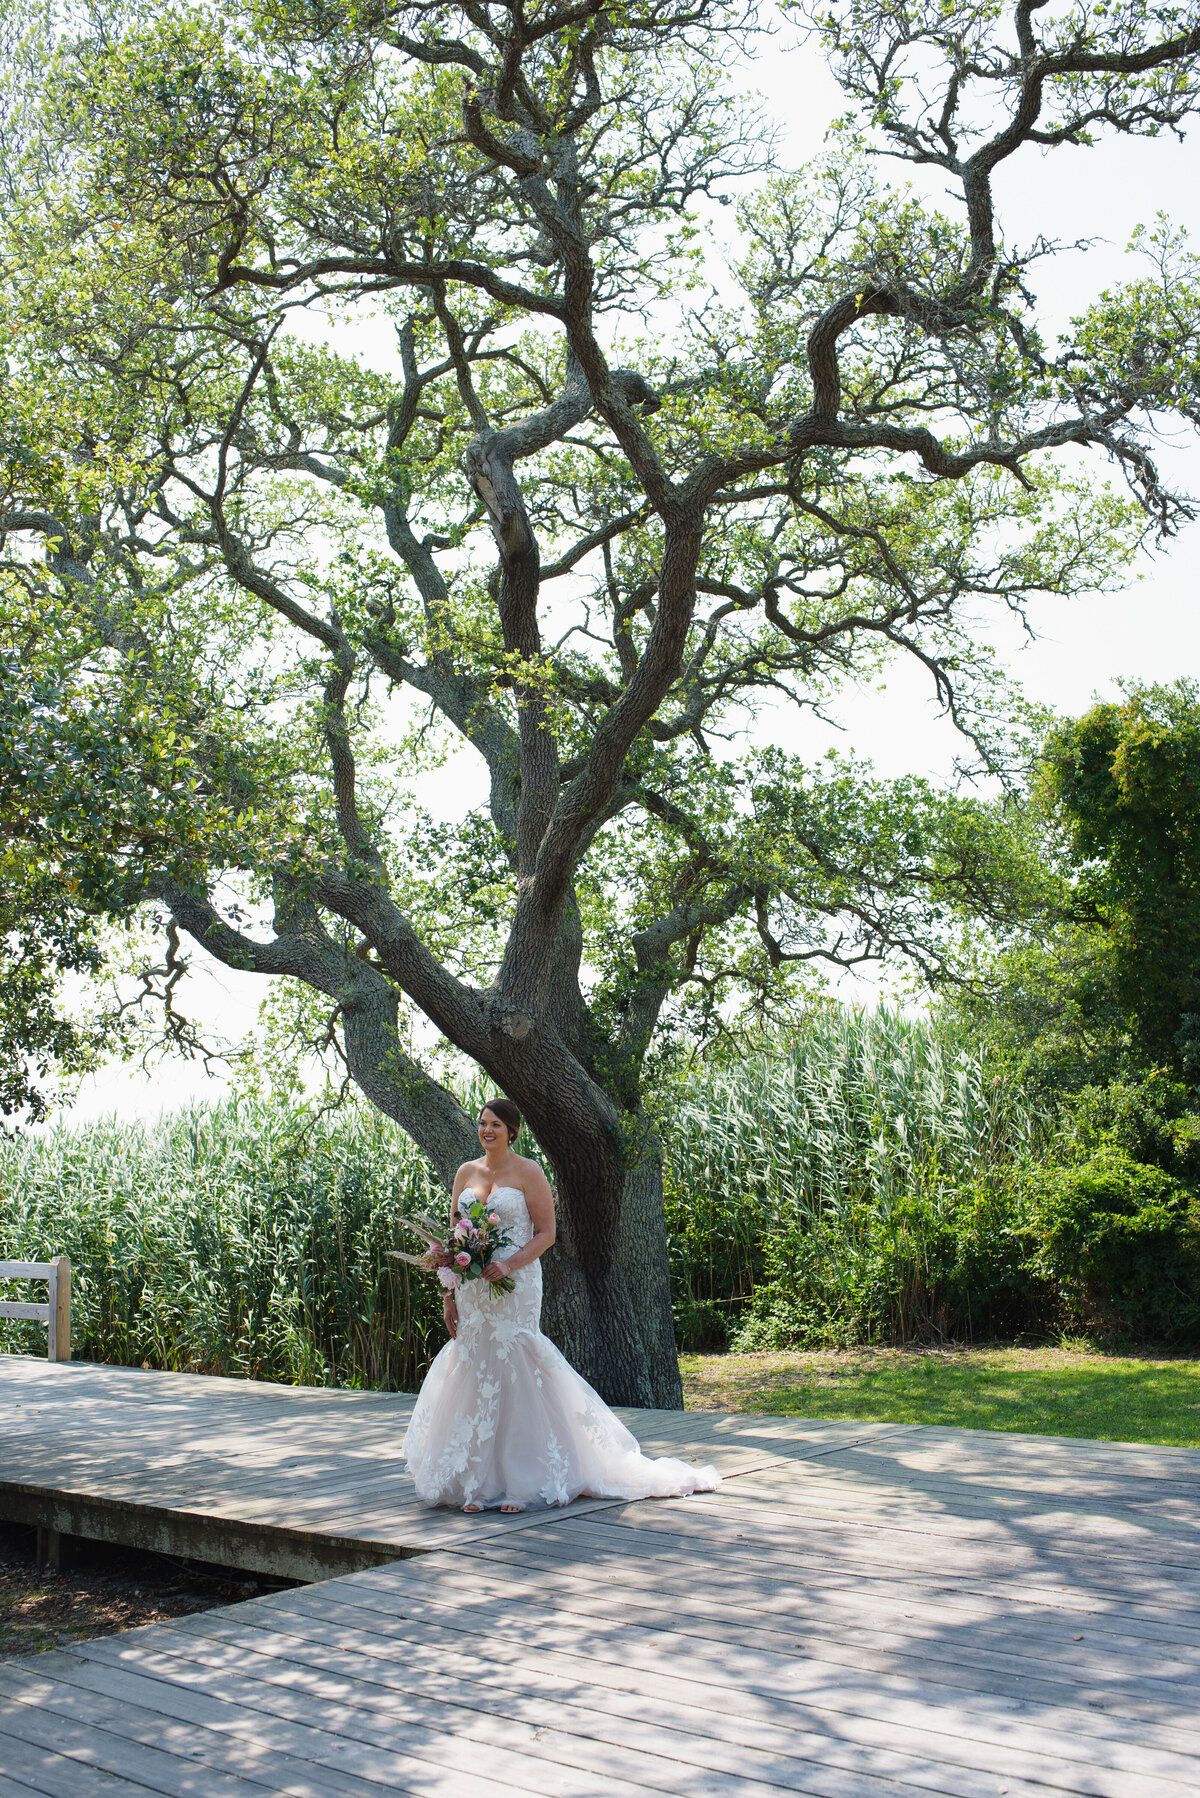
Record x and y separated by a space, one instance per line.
503 1420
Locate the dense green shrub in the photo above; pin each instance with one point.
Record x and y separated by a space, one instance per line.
1148 1117
943 1264
1119 1242
1100 984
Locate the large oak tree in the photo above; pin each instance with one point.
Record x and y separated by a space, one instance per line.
363 394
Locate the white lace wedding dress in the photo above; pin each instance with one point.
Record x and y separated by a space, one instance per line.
503 1418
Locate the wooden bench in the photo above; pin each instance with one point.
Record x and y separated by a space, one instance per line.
56 1313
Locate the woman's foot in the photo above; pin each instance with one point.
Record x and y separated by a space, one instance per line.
510 1510
472 1509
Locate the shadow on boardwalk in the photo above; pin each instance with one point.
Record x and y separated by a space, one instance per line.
861 1610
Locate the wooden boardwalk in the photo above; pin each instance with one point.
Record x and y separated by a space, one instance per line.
294 1480
860 1612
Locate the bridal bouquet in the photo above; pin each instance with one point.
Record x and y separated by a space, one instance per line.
476 1239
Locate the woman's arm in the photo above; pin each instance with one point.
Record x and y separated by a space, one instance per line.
540 1202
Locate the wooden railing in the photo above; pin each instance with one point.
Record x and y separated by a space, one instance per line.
56 1314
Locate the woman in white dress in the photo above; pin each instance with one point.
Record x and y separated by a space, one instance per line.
503 1420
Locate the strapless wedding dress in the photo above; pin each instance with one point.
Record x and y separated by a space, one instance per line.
503 1418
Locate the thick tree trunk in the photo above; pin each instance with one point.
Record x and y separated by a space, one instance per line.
607 1280
396 1084
642 1248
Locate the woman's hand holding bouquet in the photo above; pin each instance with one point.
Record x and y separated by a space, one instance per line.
471 1252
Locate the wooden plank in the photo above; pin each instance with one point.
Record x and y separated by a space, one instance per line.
592 1545
222 1425
550 1758
59 1347
902 1472
573 1536
1025 1573
1142 1693
109 1745
1120 1658
933 1438
738 1735
898 1457
325 1732
911 1613
976 1473
234 1456
1178 1728
1084 1497
38 1314
843 1594
782 1509
54 1774
1145 1572
1123 1538
187 1746
672 1751
436 1664
871 1718
887 1479
987 1496
645 1531
26 1270
1172 1523
925 1611
1109 1661
678 1674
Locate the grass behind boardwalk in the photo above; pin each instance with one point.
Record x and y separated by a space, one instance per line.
1041 1391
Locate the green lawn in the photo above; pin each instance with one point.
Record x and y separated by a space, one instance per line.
1045 1391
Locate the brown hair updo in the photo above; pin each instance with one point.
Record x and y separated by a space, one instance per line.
508 1113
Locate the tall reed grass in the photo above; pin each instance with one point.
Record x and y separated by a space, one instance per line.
856 1125
246 1240
232 1239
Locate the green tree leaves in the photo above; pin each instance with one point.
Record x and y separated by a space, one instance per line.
1126 779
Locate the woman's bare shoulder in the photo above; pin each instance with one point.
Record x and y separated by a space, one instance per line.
531 1170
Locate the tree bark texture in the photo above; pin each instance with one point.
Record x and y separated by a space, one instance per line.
608 1302
610 1314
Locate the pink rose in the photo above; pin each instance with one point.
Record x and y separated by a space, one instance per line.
493 1217
462 1227
463 1259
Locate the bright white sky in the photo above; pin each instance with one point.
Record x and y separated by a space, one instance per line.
1150 631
